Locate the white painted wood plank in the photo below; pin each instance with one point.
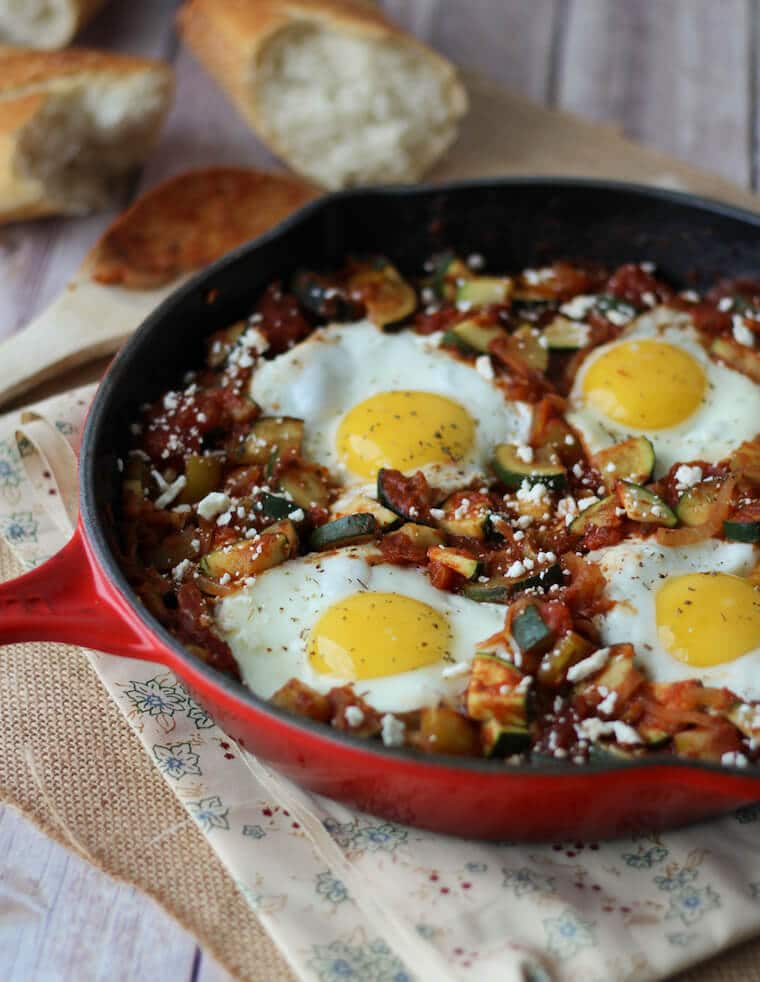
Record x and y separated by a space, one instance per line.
37 258
510 41
674 73
62 919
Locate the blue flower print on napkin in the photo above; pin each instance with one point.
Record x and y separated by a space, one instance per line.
370 962
210 813
176 760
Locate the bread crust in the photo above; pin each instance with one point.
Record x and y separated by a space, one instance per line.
230 37
189 221
27 79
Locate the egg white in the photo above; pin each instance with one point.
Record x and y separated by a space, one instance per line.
727 416
267 625
339 366
635 571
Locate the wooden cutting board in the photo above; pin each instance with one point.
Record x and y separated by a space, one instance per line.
503 134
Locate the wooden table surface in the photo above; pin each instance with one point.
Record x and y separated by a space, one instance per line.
679 75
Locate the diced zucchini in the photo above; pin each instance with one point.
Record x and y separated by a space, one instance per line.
326 299
422 535
363 504
530 632
601 514
566 335
287 528
653 735
386 295
343 532
705 742
276 435
619 675
392 493
273 506
501 589
443 730
512 470
504 739
462 563
737 356
642 505
744 526
446 270
556 437
632 460
569 649
470 336
530 346
246 557
203 475
305 485
481 290
222 342
463 517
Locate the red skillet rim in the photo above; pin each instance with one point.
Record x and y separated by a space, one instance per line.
94 523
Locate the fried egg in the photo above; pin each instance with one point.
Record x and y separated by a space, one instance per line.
657 380
333 619
372 400
689 612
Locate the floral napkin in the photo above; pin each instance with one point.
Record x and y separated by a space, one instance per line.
350 897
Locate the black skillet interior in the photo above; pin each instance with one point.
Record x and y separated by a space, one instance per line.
513 223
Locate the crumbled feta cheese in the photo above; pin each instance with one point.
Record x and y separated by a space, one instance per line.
224 519
607 705
687 477
535 276
225 579
567 508
734 759
725 304
392 731
213 504
578 470
464 305
647 266
584 503
524 521
437 513
741 332
588 666
170 491
546 557
456 670
525 454
649 298
611 467
484 367
181 568
533 493
475 260
298 515
691 295
195 545
516 569
579 306
354 716
625 733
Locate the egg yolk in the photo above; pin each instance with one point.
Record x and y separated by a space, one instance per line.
708 618
645 384
403 430
368 635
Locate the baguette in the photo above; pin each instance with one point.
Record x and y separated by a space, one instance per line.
189 221
337 91
44 23
73 125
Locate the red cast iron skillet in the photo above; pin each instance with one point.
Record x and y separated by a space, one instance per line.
80 596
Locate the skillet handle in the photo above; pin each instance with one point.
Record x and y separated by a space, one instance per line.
68 599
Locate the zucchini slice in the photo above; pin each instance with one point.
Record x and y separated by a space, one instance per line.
273 506
530 346
744 526
619 675
642 505
456 559
632 460
304 484
566 335
363 504
512 470
323 298
470 521
222 342
287 528
481 290
394 492
695 504
530 632
501 589
601 513
496 697
246 557
422 535
203 475
505 739
343 532
569 649
270 437
446 270
387 297
469 336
